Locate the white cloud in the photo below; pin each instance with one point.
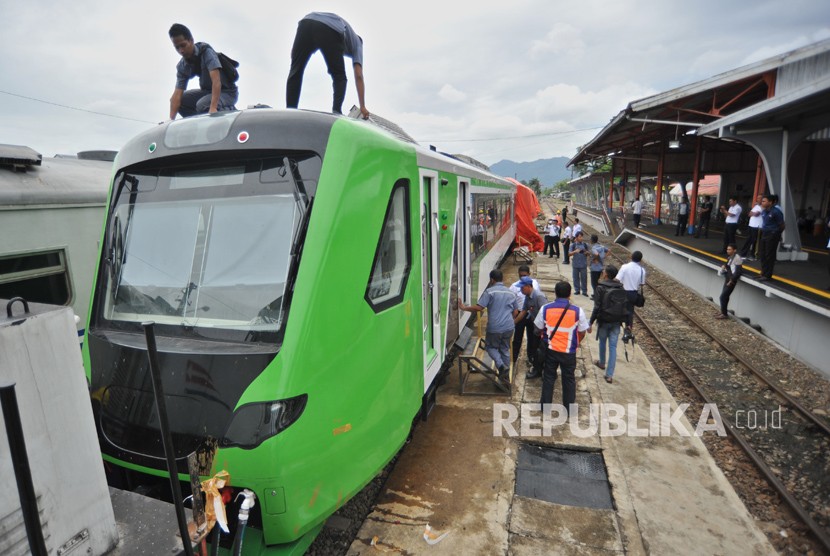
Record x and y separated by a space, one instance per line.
490 80
564 38
451 94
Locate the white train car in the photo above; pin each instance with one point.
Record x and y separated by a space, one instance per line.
51 216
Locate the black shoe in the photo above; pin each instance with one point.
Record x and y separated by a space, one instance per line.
533 373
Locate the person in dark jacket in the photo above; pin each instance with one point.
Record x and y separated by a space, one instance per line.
534 300
731 271
608 331
335 38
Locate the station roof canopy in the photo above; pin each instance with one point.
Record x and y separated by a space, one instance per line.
648 125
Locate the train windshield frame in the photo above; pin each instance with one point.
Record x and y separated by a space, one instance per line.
205 250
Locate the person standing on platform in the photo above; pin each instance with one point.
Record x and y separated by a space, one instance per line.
610 311
632 275
532 302
750 248
564 325
522 328
731 271
335 38
548 240
217 90
771 230
598 252
554 229
730 228
566 244
502 309
682 216
577 228
579 263
705 216
637 211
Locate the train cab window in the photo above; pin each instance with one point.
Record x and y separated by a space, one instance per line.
391 265
42 277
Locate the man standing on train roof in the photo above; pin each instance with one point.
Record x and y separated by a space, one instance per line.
502 309
217 91
335 38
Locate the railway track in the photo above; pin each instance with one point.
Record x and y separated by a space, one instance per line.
786 441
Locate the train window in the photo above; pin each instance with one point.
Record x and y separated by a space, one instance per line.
42 277
390 268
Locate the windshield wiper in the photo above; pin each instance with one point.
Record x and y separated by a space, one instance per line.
300 195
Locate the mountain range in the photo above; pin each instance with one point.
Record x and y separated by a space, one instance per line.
548 171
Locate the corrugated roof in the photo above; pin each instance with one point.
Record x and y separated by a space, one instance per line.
649 123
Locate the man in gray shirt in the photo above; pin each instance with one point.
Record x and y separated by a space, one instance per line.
216 92
502 307
335 38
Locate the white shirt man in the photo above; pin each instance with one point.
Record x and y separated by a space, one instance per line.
552 229
632 275
576 229
733 213
637 207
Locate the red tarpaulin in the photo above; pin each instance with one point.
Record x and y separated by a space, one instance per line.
527 209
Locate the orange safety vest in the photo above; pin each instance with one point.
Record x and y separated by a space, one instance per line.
566 339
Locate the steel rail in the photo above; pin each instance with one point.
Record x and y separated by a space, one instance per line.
796 506
811 417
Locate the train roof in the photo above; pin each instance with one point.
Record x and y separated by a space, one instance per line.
27 179
299 129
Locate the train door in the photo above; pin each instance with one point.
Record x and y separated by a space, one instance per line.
464 218
430 286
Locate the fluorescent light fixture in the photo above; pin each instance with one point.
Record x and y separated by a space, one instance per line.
674 144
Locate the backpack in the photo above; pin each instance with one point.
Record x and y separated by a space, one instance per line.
229 65
613 305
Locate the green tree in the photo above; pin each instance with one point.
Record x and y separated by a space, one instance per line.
535 185
596 165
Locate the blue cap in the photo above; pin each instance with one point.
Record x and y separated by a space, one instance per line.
525 281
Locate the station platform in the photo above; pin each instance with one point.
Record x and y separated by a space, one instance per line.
792 309
808 279
463 475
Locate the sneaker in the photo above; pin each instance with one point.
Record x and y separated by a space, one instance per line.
721 317
585 294
609 379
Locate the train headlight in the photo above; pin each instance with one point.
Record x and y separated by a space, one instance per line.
254 423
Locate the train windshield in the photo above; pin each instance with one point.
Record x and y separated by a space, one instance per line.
203 248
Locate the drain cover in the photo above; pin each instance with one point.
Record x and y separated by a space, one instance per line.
566 477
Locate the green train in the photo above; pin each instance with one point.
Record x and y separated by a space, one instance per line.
302 271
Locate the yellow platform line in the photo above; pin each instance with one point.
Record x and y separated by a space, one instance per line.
792 283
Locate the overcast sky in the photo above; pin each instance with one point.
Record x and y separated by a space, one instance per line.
494 80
